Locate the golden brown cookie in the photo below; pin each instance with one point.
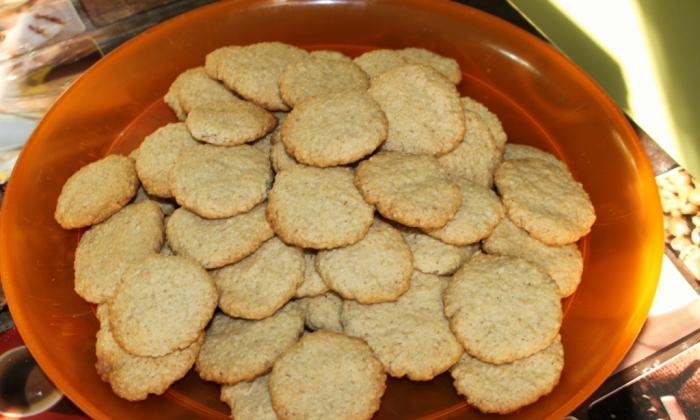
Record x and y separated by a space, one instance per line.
216 242
238 350
504 388
96 191
411 337
216 59
502 308
411 189
218 182
249 400
327 375
106 250
478 155
480 212
376 62
376 269
315 76
334 129
446 66
134 377
162 304
318 208
432 256
193 88
522 151
253 72
423 109
229 123
490 119
563 264
545 200
157 155
257 286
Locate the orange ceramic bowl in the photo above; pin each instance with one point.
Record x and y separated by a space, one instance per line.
541 97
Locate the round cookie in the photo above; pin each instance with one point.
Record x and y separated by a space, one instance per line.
329 55
432 256
253 72
480 212
376 62
545 200
477 157
323 312
157 155
162 305
376 269
490 119
327 375
318 208
106 250
194 88
423 109
448 67
218 182
411 189
316 76
134 377
238 350
521 151
563 264
334 129
502 308
249 400
229 123
313 284
257 286
217 59
216 242
411 337
505 388
96 191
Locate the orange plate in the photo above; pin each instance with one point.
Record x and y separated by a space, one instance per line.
541 97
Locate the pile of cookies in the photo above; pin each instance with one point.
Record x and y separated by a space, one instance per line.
316 222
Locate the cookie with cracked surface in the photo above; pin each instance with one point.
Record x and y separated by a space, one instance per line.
96 191
423 109
107 250
216 59
411 189
480 212
505 388
545 200
258 285
313 284
253 72
446 66
522 151
502 308
249 400
411 337
162 304
477 157
217 242
327 375
376 62
157 155
490 119
334 129
318 208
217 182
323 312
238 350
562 263
311 77
432 256
135 377
376 269
229 123
194 88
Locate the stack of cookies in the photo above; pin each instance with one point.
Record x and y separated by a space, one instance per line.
316 222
